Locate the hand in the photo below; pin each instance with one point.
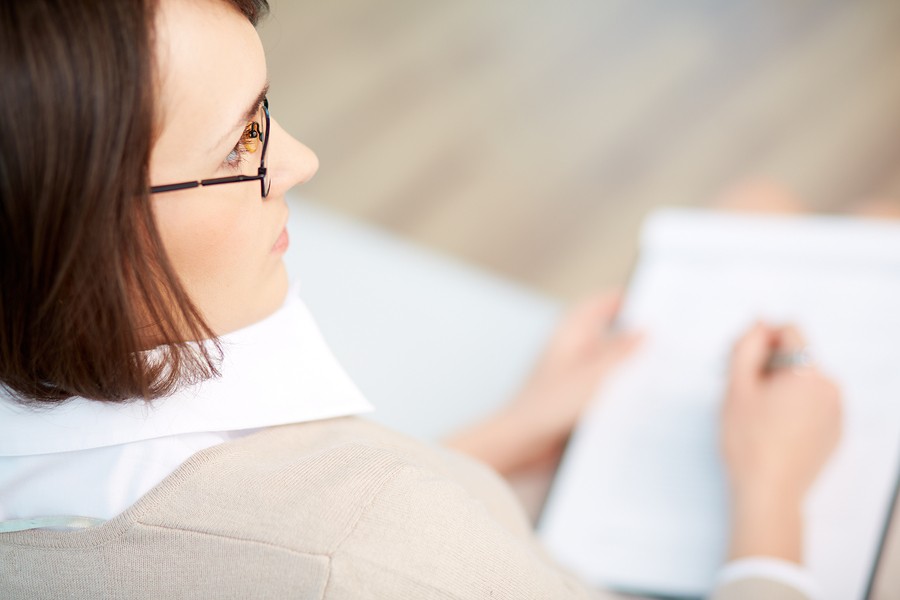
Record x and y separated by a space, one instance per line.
534 426
778 429
580 353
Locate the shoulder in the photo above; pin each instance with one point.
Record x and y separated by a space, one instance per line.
319 478
343 507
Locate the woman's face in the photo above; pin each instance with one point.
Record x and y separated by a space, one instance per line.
225 242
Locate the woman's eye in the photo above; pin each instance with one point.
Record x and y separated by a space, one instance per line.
246 145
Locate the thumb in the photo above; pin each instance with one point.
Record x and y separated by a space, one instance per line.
598 309
625 344
748 360
584 323
618 347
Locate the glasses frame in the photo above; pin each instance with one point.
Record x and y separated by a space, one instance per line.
261 175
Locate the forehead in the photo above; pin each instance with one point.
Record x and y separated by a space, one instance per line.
210 65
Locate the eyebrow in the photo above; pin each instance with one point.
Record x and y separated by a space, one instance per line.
247 116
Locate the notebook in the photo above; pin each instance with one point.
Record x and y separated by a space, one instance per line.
640 501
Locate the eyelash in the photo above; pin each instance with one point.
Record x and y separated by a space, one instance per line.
238 154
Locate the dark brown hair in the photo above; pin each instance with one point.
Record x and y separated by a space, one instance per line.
84 279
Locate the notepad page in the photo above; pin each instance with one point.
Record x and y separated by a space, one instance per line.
640 501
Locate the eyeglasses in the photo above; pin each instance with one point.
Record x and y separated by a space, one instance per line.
256 133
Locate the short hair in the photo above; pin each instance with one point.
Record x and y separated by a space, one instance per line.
84 278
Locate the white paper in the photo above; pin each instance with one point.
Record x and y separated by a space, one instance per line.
640 501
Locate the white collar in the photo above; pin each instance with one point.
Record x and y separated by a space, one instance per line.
274 372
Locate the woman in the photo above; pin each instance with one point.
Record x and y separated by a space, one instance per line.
173 425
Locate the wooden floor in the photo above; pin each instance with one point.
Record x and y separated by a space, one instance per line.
530 138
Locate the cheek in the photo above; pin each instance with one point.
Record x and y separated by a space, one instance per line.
213 244
221 249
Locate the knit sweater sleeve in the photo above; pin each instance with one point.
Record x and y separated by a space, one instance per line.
757 588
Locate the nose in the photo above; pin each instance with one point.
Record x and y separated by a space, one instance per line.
290 162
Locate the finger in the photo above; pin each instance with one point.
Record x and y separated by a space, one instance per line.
601 307
617 349
750 355
592 314
790 354
790 339
623 345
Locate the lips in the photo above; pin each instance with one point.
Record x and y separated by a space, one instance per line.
281 244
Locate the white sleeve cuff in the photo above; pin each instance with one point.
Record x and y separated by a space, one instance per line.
788 573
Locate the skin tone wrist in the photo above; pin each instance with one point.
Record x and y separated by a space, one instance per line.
767 524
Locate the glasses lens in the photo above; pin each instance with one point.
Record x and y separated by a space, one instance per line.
251 139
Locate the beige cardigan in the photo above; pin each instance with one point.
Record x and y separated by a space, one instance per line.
335 510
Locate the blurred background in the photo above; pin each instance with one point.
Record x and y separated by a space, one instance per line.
530 138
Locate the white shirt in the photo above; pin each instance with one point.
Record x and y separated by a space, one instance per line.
82 462
94 459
